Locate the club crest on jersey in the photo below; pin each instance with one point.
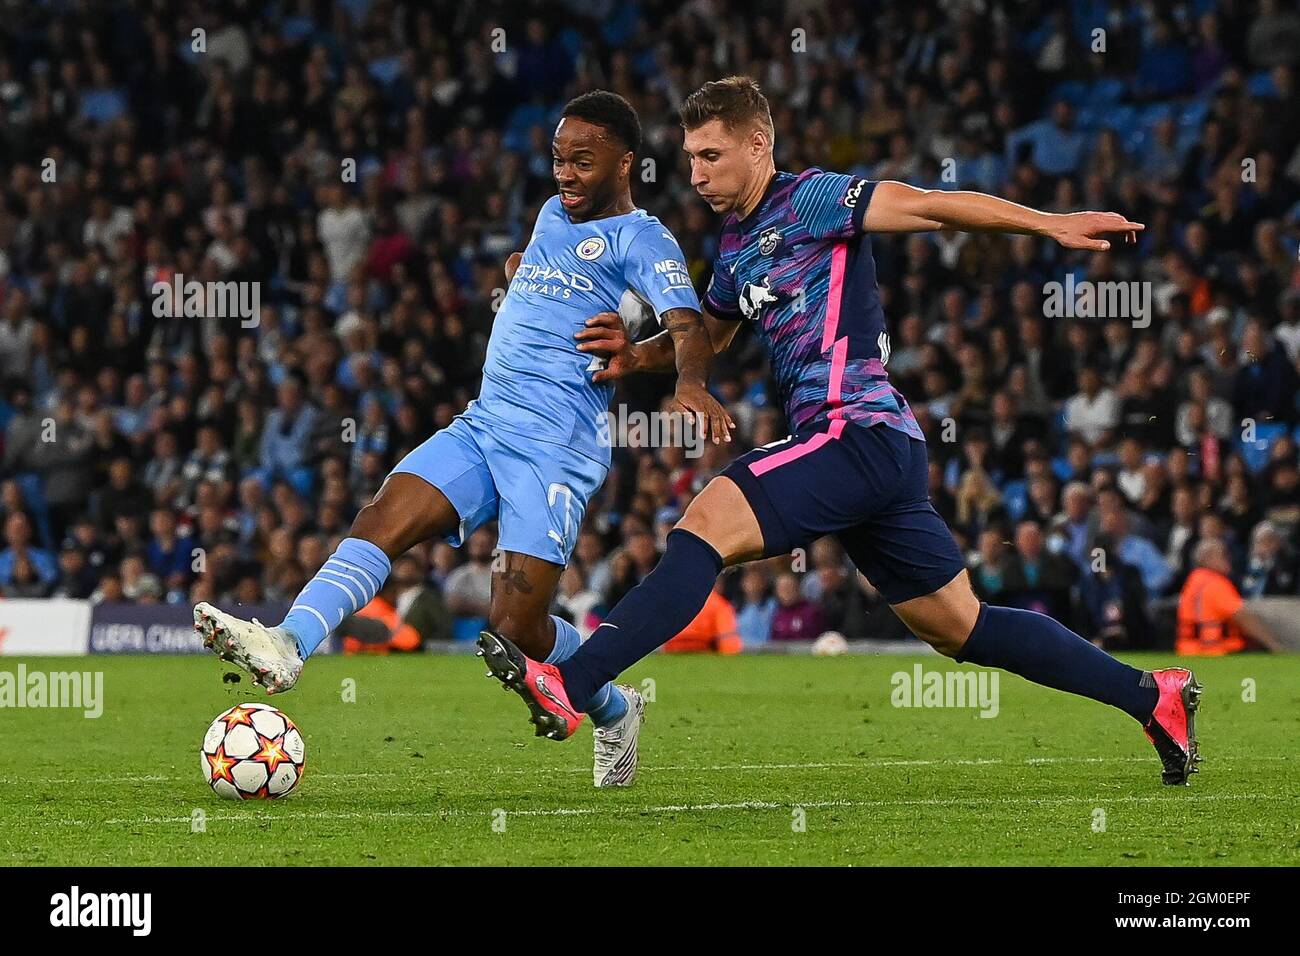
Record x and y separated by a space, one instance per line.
590 248
768 241
754 296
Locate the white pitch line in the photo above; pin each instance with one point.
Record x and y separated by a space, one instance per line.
255 817
668 768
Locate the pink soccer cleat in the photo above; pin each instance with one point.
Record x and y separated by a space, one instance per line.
540 685
1172 727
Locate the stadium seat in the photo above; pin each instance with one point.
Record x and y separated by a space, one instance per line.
1261 84
1107 91
1256 453
1193 113
1072 91
1015 498
1121 118
467 628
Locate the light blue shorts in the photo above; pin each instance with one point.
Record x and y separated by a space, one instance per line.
537 491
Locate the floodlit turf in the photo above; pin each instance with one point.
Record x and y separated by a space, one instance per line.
433 764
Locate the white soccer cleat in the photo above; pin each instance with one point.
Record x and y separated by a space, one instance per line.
616 757
269 654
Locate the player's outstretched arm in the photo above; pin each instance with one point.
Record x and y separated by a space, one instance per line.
898 207
693 349
606 336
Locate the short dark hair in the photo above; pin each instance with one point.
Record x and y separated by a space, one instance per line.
736 100
611 111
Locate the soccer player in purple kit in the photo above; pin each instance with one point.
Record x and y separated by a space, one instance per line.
795 259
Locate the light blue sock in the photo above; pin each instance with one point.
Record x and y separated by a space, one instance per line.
345 584
607 705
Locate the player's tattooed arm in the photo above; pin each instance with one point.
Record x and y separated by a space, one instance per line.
606 336
898 207
693 350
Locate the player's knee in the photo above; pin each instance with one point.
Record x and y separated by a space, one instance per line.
945 619
375 523
699 523
732 532
390 526
531 636
947 641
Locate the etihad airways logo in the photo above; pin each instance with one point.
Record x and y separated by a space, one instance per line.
547 280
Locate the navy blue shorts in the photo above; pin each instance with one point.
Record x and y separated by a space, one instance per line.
868 486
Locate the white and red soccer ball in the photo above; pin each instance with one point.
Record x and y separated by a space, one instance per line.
253 752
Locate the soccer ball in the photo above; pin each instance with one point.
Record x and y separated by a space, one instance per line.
830 644
252 752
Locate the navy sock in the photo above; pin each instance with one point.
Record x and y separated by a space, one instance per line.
1043 650
608 706
650 615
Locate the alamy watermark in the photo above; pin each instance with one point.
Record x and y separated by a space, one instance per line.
133 911
213 300
79 690
921 688
1086 299
619 428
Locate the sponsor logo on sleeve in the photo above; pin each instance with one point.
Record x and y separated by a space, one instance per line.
855 191
674 272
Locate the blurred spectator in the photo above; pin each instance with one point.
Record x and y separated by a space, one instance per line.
167 554
1135 551
28 569
990 567
1180 538
1093 412
1271 565
713 630
796 618
468 589
77 579
575 601
1113 602
757 608
1038 580
286 438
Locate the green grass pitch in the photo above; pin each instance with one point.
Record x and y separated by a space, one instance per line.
749 760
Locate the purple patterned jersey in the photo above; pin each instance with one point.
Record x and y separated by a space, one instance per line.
800 267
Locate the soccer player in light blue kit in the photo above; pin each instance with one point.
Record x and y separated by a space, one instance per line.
528 452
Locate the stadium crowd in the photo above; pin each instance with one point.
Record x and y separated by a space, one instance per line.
1089 463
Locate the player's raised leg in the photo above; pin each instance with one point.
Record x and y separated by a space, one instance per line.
1045 651
522 634
543 493
907 552
442 488
405 511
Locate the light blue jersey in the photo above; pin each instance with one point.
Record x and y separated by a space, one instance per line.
529 450
536 382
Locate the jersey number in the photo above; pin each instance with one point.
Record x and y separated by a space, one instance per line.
553 494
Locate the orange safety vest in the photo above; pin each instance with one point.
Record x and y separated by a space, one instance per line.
714 629
404 637
1205 610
